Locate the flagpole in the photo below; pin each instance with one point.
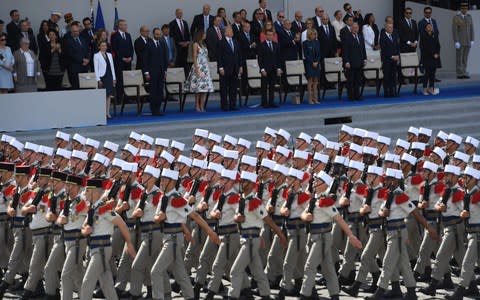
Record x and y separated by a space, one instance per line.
91 14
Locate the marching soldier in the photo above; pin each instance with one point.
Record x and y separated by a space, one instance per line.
182 165
265 186
7 191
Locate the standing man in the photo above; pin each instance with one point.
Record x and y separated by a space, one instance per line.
202 21
408 31
354 58
248 48
170 43
298 26
140 44
27 34
229 67
356 15
288 43
237 24
155 66
327 37
180 34
122 49
214 37
390 54
13 28
264 11
463 36
270 68
427 14
77 55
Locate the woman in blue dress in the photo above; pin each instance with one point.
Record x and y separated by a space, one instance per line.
312 54
6 65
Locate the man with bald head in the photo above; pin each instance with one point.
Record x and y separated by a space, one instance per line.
317 19
140 44
181 36
298 26
202 21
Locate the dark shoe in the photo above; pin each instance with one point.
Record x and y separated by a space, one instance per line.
196 291
466 77
175 287
472 290
135 297
458 294
27 295
122 294
395 292
273 106
346 281
425 277
431 289
447 283
334 297
371 289
379 293
52 297
353 290
411 294
98 293
438 80
210 295
157 114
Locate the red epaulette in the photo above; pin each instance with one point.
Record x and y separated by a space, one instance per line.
254 204
302 198
9 191
187 183
461 182
439 188
475 198
285 193
416 180
306 176
362 189
26 196
136 193
46 198
440 175
233 199
383 193
61 204
420 166
271 186
345 150
402 198
326 202
107 184
427 151
345 185
216 195
179 202
80 206
105 208
156 198
458 196
202 187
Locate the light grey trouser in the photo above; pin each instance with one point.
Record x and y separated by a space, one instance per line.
192 254
41 245
368 263
471 258
267 236
320 254
21 252
73 269
117 249
415 233
427 247
452 244
350 254
125 263
275 259
54 265
295 257
98 269
222 262
207 258
461 56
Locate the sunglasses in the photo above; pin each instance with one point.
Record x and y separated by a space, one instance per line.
408 13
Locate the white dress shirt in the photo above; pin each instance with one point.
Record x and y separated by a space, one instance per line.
30 62
338 25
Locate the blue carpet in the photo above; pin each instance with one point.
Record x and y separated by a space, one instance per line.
331 101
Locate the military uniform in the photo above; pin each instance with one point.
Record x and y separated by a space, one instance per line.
7 190
264 190
413 183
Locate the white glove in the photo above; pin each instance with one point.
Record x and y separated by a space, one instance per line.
457 45
471 43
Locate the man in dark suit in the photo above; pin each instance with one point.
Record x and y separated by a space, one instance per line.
122 48
214 36
346 31
140 44
390 55
327 38
267 14
298 26
229 65
27 34
270 68
237 24
155 65
77 55
279 22
13 29
181 35
408 32
88 35
427 18
354 58
202 21
317 19
288 43
257 24
356 15
170 44
248 48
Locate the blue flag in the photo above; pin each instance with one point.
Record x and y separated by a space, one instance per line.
115 23
99 21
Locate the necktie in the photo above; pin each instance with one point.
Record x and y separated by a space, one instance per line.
270 46
181 27
356 38
289 34
78 41
219 34
205 23
428 21
248 36
25 35
409 23
156 44
123 35
299 25
230 41
326 30
390 37
90 33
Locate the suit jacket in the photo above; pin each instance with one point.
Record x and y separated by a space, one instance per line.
139 46
356 19
429 45
343 33
100 65
212 43
45 57
13 31
423 23
247 51
278 26
121 48
198 24
288 46
229 60
85 34
171 49
256 28
298 29
31 37
75 53
407 34
20 67
155 58
328 43
267 59
462 29
269 15
236 30
176 32
353 51
41 41
388 48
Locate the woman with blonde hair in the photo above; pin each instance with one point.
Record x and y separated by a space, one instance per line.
268 26
311 52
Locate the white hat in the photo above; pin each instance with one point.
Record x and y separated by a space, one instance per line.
442 135
356 165
245 143
300 154
425 131
130 148
476 159
162 142
452 169
285 134
371 135
249 160
117 162
392 158
462 156
306 137
233 154
170 174
327 179
263 145
45 150
252 177
472 141
295 173
230 174
268 163
218 149
472 172
201 133
418 146
102 159
356 148
92 143
152 171
281 169
129 167
430 166
200 149
62 135
167 156
31 146
111 146
375 170
198 163
283 151
16 144
215 167
320 157
402 143
413 130
177 145
64 153
409 158
230 139
440 152
135 136
77 137
359 132
182 159
393 173
147 153
147 139
56 13
454 137
340 160
384 140
332 145
318 137
370 150
347 129
6 138
80 154
271 132
215 137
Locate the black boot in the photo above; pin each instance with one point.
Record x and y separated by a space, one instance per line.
302 297
298 285
379 293
3 288
447 283
27 295
426 276
472 290
210 295
431 289
334 297
458 294
135 297
395 292
353 290
411 294
196 291
371 289
344 281
175 287
98 293
149 293
50 297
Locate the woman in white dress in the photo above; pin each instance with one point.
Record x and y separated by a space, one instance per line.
6 65
199 80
